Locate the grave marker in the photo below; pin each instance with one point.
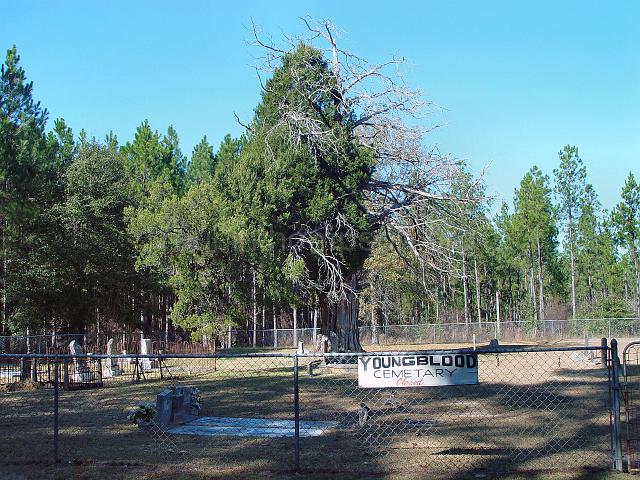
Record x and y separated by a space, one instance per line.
82 373
110 366
145 349
173 406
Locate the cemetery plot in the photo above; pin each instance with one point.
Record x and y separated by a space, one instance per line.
529 411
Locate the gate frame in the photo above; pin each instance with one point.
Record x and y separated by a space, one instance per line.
627 410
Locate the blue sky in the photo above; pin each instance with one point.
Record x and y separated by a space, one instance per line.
516 80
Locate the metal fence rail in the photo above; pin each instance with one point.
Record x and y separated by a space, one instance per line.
532 409
386 335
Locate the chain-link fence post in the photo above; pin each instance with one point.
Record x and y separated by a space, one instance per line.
296 414
56 399
616 438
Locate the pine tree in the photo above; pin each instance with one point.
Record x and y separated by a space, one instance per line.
533 226
202 163
626 217
570 184
26 190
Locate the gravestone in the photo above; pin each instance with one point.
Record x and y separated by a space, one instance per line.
145 349
124 362
494 344
333 342
110 366
173 406
321 345
164 408
300 350
81 371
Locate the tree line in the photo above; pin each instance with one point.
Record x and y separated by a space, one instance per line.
326 212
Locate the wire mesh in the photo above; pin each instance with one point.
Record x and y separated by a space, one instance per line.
451 333
631 397
531 410
539 409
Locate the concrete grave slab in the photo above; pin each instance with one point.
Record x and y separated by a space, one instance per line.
252 427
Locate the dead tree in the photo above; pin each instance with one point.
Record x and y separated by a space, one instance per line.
409 195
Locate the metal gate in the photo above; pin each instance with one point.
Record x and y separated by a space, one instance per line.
631 399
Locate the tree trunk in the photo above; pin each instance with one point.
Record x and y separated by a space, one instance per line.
275 327
339 319
255 311
465 290
4 324
315 324
374 317
532 285
478 306
295 327
264 319
573 267
540 281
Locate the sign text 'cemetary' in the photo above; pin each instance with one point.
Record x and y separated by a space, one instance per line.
417 370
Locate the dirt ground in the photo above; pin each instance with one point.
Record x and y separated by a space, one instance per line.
532 415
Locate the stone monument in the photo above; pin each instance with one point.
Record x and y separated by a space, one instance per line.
145 349
110 366
81 371
175 406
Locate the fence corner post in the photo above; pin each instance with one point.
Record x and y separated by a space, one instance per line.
296 414
616 429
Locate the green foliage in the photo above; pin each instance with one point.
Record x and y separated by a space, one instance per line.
570 182
99 233
150 158
286 188
29 186
202 163
101 255
144 412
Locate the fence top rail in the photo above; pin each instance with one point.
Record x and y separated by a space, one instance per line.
481 351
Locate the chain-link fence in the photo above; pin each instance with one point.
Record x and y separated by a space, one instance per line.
531 409
121 342
384 335
449 333
631 404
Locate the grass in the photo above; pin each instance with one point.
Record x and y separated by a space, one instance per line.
540 415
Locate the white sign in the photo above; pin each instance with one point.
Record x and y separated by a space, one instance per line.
417 370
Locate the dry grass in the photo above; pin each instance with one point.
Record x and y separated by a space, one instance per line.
541 414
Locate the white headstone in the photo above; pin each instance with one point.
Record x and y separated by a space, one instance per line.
110 367
81 370
301 348
145 349
75 348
